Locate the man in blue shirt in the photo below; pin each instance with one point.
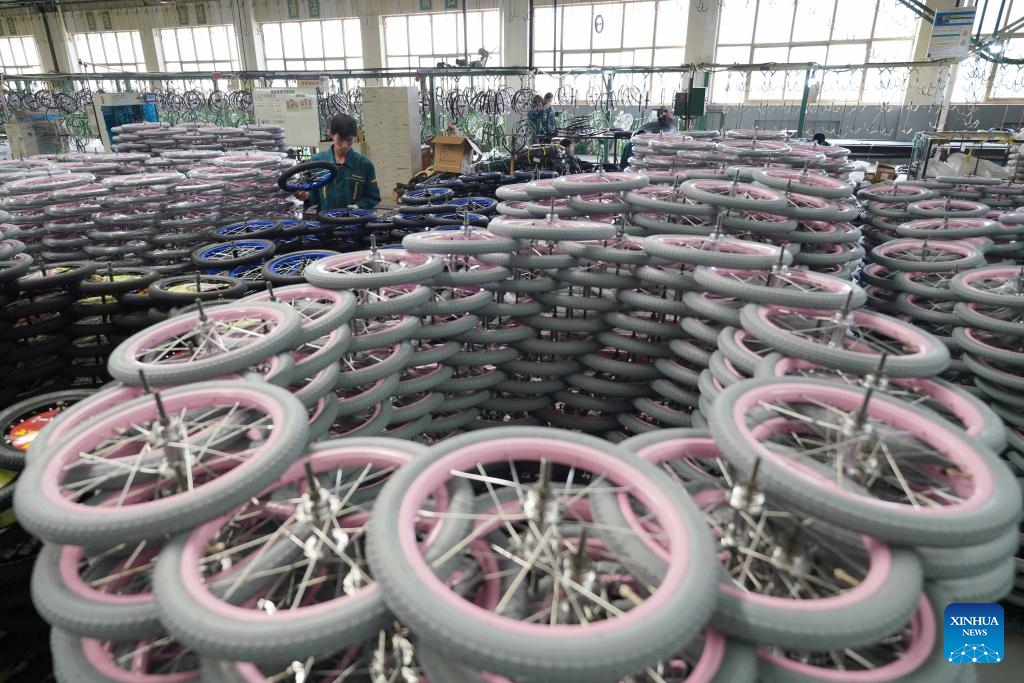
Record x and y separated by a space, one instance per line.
356 182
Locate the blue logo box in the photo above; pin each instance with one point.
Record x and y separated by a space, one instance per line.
973 633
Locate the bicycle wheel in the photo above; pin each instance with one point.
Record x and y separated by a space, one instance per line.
991 286
323 599
306 176
206 343
786 288
877 452
566 649
320 310
152 468
715 251
374 268
853 341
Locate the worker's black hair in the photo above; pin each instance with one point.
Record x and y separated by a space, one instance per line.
343 125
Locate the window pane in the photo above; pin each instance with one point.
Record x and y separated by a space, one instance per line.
492 35
204 46
275 64
574 18
31 52
334 64
312 39
111 54
334 39
444 33
291 37
295 65
669 56
639 29
542 37
740 22
127 50
186 45
353 38
774 21
673 16
394 33
18 52
609 19
272 41
891 51
168 46
137 44
895 20
6 53
96 49
853 20
419 36
221 40
813 21
768 85
885 85
314 65
475 39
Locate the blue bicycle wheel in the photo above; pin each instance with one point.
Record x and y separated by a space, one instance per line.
307 176
288 269
245 229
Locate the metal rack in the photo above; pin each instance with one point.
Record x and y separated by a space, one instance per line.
992 145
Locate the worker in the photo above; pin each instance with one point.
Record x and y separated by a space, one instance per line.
664 123
536 116
355 186
550 126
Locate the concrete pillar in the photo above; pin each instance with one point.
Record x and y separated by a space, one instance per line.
515 40
371 29
247 32
930 85
702 32
151 55
58 38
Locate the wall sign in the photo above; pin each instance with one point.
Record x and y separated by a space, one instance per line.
107 23
293 9
182 14
90 21
1 28
314 8
200 13
951 33
451 4
426 5
12 26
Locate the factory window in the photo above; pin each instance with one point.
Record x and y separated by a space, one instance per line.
980 80
331 45
19 55
108 51
412 41
826 32
201 48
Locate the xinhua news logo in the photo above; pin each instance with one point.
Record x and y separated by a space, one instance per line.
973 633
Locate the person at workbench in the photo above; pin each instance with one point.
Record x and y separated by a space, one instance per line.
665 123
356 182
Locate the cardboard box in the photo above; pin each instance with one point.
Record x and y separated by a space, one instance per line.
883 173
453 153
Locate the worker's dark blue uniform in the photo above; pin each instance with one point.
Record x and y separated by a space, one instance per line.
356 183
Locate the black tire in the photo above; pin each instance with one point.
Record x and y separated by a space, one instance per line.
226 288
305 167
12 458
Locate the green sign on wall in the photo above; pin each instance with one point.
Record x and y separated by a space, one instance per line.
90 21
451 4
200 13
12 26
107 23
314 8
293 9
426 5
182 14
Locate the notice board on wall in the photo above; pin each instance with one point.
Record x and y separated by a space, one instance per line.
951 33
293 109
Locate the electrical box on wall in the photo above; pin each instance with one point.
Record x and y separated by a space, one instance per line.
690 103
112 109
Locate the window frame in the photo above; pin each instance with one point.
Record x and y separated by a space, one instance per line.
26 67
869 42
1014 12
352 58
191 65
